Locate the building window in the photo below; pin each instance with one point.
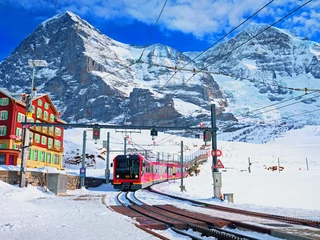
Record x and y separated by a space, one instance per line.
57 131
4 115
30 120
37 138
46 105
2 145
33 109
39 113
19 132
40 102
15 146
3 130
48 158
44 140
41 155
31 137
51 117
51 130
44 129
57 144
4 101
20 117
49 143
45 115
35 154
38 128
56 159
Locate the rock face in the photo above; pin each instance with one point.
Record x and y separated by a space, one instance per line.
90 79
93 78
271 54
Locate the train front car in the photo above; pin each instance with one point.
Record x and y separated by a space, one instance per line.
131 172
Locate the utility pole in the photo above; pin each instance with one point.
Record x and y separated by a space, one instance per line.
217 180
108 155
26 131
125 146
181 169
83 168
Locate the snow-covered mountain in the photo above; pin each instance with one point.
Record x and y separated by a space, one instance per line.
93 78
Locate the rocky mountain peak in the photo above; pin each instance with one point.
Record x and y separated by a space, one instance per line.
93 78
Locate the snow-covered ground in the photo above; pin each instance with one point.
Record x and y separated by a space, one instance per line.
30 213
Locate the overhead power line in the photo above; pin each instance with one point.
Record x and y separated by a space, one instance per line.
154 26
282 106
218 41
304 113
280 102
194 70
242 44
54 9
152 30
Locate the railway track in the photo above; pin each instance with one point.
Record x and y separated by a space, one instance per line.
183 222
281 226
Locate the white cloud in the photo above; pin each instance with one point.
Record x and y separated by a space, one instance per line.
200 18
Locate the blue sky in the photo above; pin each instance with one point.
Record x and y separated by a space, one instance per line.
186 25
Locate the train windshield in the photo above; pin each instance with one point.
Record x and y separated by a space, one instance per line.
127 168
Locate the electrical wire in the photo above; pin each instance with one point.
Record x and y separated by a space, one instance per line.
278 103
154 26
218 41
283 106
294 115
194 70
55 7
242 44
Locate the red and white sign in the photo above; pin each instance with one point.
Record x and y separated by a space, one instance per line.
219 164
217 153
15 137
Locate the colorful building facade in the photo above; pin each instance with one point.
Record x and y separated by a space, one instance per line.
46 143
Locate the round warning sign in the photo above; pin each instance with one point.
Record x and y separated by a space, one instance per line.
217 153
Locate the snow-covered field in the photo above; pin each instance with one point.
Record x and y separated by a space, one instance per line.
30 213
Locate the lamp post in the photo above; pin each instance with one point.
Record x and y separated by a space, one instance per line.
26 131
35 63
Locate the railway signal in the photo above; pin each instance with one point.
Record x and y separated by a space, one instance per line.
207 134
154 132
96 133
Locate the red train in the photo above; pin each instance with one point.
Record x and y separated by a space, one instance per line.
132 172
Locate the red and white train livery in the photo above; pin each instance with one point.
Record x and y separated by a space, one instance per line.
132 172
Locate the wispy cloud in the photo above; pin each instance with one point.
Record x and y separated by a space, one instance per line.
200 18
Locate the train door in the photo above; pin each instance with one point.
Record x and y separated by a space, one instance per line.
160 172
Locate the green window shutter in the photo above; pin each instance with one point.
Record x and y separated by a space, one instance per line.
5 130
6 115
32 154
0 101
45 157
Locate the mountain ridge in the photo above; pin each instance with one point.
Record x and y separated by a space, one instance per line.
93 78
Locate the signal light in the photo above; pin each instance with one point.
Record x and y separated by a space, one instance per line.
154 132
207 135
96 133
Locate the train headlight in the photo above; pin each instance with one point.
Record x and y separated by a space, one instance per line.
117 176
136 176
